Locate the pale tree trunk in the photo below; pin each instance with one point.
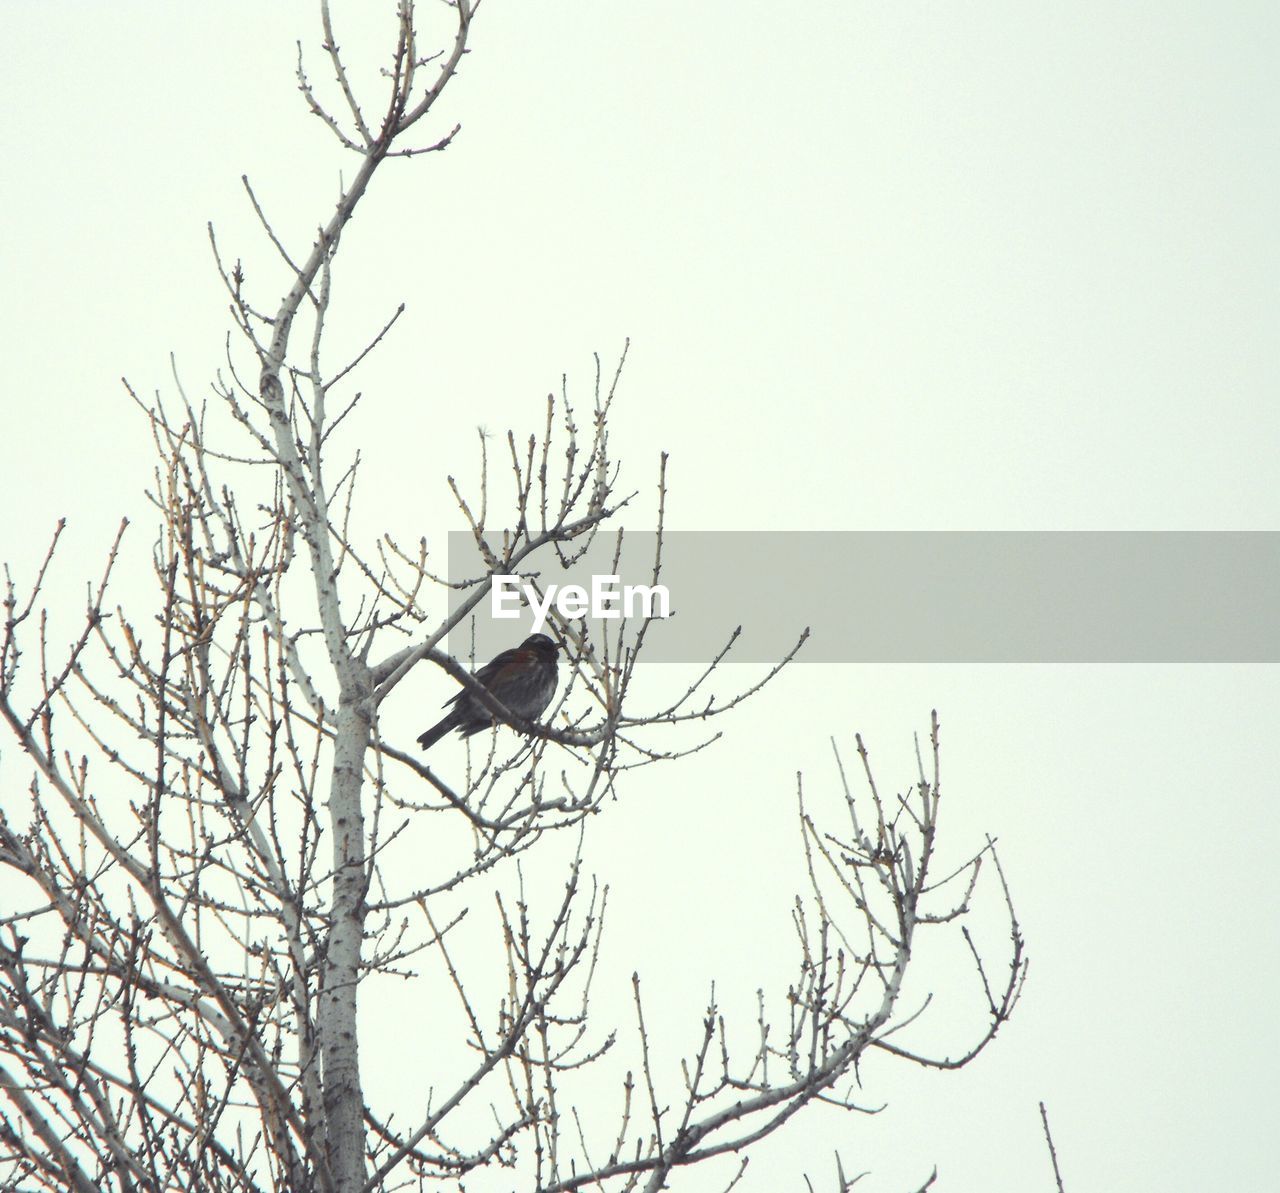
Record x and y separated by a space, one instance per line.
337 1037
336 1022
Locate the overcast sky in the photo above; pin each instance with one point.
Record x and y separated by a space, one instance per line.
883 266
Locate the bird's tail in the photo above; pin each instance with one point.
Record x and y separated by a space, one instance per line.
436 732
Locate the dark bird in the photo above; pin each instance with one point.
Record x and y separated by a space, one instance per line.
523 679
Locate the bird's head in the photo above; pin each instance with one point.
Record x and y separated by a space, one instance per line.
540 644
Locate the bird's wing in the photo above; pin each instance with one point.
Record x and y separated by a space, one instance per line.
508 664
486 674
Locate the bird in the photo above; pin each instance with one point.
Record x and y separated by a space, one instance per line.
523 679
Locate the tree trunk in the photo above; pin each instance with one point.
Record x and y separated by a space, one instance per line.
339 1042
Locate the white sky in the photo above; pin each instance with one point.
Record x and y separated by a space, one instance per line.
1000 265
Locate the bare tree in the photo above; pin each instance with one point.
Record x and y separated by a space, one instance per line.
200 866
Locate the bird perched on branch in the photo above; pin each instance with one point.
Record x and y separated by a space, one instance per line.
523 679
